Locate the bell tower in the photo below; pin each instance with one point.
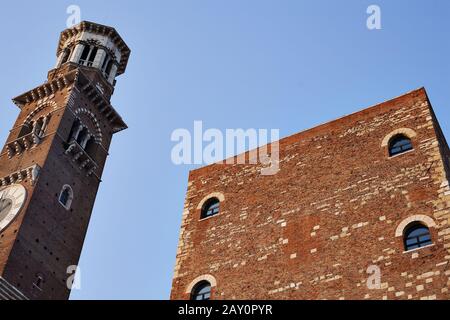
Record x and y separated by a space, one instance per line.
52 163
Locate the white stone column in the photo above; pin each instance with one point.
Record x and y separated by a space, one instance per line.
85 141
113 73
58 61
44 125
77 52
35 128
76 133
101 55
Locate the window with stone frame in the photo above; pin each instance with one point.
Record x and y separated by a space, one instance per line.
66 197
416 235
201 291
210 208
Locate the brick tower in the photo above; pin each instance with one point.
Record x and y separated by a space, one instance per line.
52 163
360 209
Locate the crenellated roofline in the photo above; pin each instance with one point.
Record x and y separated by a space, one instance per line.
86 86
98 29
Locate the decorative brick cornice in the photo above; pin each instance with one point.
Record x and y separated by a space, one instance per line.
86 86
102 104
46 90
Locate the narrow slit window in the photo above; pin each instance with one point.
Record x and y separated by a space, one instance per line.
66 197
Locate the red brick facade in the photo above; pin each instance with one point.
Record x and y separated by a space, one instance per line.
335 210
46 238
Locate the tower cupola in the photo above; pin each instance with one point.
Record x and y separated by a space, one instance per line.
93 46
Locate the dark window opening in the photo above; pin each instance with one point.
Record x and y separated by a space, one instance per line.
26 129
399 144
81 139
74 130
64 197
105 61
66 56
85 54
92 56
91 147
109 67
210 208
416 236
202 291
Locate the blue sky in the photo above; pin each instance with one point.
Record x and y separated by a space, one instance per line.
232 64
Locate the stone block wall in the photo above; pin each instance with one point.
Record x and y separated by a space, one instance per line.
332 214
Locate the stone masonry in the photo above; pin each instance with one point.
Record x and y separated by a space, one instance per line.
335 210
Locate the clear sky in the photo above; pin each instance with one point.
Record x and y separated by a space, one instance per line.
232 64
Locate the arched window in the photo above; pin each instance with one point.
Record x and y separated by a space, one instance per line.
27 128
210 208
66 197
399 144
416 235
201 291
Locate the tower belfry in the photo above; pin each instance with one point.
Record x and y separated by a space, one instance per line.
53 160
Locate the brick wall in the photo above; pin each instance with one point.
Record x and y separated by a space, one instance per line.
312 230
45 238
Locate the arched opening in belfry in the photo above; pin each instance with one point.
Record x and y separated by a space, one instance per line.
91 147
109 67
27 128
66 56
39 127
85 54
82 137
92 56
74 130
105 62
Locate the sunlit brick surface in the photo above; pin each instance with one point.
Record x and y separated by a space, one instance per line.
312 230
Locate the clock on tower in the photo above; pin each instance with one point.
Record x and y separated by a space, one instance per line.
52 163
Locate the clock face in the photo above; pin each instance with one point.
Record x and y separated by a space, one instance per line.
12 199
